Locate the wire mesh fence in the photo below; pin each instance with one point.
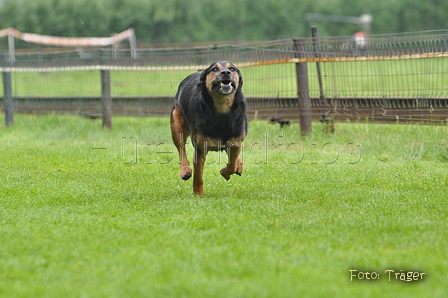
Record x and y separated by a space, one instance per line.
394 77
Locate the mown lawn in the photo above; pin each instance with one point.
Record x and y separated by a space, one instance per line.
87 212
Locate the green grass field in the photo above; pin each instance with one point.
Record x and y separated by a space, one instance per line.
87 212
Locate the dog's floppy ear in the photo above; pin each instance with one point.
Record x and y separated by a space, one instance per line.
203 77
201 80
240 84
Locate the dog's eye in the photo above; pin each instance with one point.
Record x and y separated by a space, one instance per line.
232 68
215 68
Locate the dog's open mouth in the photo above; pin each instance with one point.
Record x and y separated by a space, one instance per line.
226 87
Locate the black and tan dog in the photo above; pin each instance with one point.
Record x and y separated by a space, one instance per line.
211 108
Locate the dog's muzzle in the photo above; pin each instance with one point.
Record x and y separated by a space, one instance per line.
225 83
227 87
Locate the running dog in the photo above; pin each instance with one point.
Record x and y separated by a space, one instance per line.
210 107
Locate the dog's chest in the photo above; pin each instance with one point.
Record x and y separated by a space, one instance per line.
222 128
223 104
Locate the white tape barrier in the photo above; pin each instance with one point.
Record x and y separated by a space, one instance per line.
68 41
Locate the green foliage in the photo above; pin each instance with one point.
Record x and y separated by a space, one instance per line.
76 222
205 20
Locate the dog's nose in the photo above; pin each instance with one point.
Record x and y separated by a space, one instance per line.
226 72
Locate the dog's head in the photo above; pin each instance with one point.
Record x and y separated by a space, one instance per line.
221 78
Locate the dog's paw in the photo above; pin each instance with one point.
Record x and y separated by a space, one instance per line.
185 173
224 172
239 166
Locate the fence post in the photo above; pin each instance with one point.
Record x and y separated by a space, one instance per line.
7 92
106 100
303 89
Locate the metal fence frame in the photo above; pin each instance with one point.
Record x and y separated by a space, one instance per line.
300 52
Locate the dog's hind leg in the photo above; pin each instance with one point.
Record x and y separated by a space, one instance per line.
180 133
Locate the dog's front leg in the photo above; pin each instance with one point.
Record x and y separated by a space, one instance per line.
235 164
199 160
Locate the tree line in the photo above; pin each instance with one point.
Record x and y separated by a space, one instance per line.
158 21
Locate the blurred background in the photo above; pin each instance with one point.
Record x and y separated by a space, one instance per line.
179 21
